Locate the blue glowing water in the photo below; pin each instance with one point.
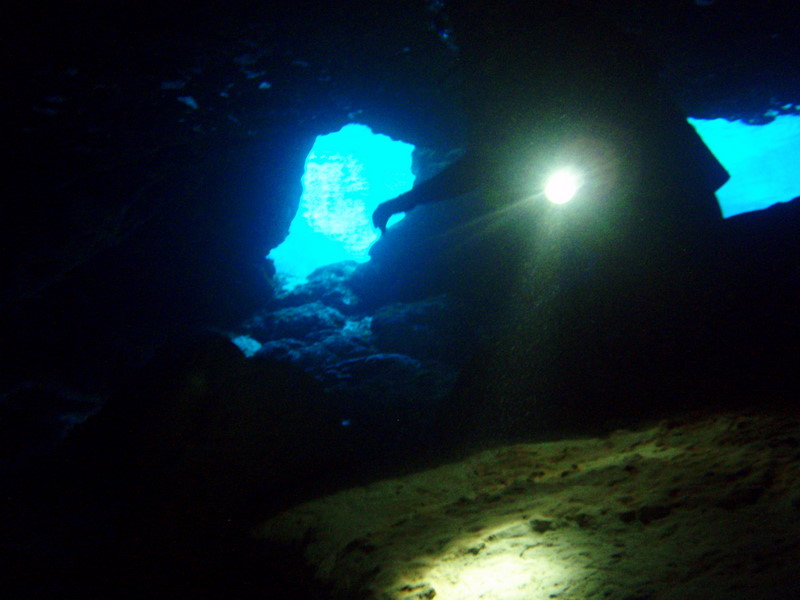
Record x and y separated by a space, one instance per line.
761 159
347 174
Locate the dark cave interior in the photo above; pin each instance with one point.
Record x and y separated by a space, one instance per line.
163 393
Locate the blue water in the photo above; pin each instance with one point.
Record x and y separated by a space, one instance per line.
349 172
761 159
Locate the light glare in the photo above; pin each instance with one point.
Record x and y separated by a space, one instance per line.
562 186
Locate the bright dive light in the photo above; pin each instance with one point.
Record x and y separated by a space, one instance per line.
562 186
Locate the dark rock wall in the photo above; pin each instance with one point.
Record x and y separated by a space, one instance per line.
156 150
155 156
120 193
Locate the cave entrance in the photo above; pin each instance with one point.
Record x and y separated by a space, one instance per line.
760 159
347 174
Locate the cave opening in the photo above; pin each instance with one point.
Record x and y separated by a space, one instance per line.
346 175
761 160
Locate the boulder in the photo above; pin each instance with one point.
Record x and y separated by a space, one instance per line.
436 328
309 321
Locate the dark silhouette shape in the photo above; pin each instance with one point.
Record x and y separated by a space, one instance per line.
591 306
550 81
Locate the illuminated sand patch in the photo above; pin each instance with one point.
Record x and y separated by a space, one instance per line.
697 509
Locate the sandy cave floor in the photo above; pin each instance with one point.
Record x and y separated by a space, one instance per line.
697 507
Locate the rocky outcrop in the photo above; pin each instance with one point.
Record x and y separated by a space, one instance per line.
400 358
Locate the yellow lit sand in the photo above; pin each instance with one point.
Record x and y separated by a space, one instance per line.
697 508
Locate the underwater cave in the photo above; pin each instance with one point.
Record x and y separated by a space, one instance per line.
222 380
